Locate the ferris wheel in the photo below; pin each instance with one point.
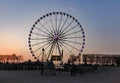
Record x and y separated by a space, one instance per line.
56 34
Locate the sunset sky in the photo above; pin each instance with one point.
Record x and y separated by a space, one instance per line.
99 18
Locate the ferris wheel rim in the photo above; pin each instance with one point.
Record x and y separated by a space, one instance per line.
51 35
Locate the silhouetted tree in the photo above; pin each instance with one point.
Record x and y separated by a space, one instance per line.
71 59
78 58
19 58
13 58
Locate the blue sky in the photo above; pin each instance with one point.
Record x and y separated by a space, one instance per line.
99 18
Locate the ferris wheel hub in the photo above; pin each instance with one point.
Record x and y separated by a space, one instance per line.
56 38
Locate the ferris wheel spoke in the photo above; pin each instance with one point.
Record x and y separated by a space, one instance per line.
49 27
44 27
70 29
46 48
71 46
39 55
52 25
41 47
72 33
51 50
63 25
57 27
72 41
66 47
71 37
39 43
49 45
40 38
40 34
42 31
58 46
56 24
60 23
67 27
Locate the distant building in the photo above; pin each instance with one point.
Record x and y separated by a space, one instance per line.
100 59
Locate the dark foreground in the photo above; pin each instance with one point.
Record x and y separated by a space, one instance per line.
104 74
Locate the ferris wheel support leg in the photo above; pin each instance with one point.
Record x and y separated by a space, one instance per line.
51 51
60 52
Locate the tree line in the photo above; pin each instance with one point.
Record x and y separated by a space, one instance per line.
11 58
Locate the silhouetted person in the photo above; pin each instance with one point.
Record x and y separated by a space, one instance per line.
81 73
73 70
42 68
59 70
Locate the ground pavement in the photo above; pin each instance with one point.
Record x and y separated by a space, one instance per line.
102 75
